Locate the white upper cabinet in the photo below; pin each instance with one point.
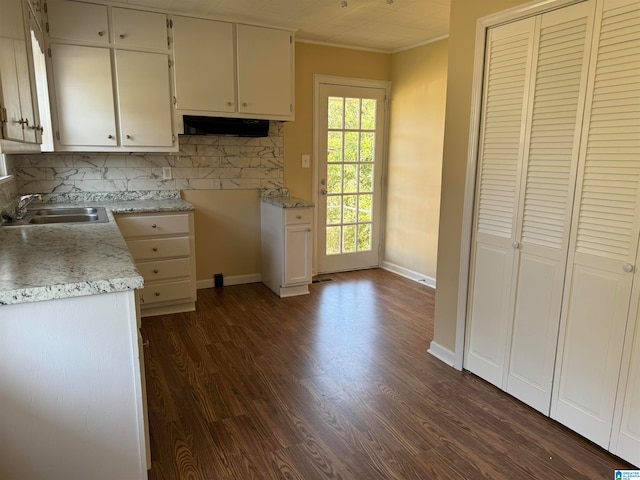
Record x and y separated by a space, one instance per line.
145 114
18 107
115 97
84 95
230 70
139 29
265 80
204 65
78 21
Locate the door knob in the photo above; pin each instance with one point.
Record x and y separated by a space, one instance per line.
515 245
323 191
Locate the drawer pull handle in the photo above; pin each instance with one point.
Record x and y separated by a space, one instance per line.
155 249
154 226
155 271
157 294
299 217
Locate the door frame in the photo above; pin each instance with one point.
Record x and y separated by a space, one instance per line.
319 79
456 357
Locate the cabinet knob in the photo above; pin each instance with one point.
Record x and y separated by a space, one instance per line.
299 217
515 245
155 249
110 137
154 226
155 270
157 294
101 33
229 104
122 36
244 104
129 137
627 267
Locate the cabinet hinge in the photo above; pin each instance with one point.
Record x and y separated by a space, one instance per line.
290 39
46 27
49 52
58 135
291 107
171 23
173 138
45 7
175 100
169 63
3 115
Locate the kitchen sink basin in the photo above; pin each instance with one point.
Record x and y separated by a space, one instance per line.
66 211
56 215
60 218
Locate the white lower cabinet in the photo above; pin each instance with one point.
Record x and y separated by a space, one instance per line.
73 400
163 247
286 249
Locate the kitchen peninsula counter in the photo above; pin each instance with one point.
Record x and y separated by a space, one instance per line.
48 262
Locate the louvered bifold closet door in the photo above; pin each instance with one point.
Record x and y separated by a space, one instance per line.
507 75
549 173
604 238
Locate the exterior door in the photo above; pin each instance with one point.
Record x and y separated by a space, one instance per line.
351 126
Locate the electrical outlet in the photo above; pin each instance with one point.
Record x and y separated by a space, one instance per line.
306 161
166 173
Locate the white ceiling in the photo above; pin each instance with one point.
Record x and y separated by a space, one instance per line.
368 24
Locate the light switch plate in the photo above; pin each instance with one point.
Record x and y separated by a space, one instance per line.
306 161
166 173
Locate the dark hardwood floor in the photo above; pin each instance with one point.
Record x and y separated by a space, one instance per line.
336 385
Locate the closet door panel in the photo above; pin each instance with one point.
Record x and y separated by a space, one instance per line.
605 230
552 151
509 51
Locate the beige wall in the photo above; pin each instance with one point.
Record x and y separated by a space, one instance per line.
319 59
418 92
464 14
227 224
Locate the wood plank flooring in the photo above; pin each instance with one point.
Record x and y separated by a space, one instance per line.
336 385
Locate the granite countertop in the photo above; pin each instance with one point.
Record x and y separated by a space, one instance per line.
287 202
46 262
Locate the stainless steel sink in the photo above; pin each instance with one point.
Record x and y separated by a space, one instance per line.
54 215
59 218
66 211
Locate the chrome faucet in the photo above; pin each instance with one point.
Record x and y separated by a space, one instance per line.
23 203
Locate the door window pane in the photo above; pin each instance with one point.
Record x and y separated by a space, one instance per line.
352 113
334 178
333 240
351 146
364 208
368 114
336 112
365 178
364 237
334 209
367 141
334 147
349 209
349 238
350 178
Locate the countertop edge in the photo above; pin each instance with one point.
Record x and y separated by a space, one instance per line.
287 202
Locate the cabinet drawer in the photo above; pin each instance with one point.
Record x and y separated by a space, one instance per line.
165 292
163 269
153 225
297 215
159 248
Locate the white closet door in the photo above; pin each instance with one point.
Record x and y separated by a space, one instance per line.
508 65
605 230
561 70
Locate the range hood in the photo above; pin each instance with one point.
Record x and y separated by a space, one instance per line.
236 127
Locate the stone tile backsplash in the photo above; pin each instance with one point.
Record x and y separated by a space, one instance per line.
203 162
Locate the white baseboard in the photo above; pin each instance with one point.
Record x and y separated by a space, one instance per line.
410 274
234 280
441 353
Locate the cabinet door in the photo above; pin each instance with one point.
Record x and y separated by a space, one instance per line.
84 98
138 29
605 230
297 254
204 65
78 21
264 70
144 98
15 78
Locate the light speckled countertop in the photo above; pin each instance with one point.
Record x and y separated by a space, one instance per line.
46 262
287 202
